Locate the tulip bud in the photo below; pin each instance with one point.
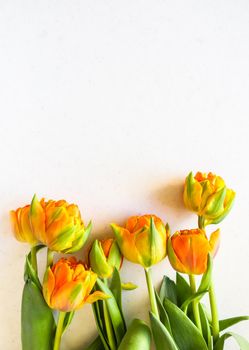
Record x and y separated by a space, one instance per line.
58 225
188 250
67 286
143 240
21 227
104 256
208 196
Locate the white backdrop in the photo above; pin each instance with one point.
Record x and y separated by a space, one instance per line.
109 104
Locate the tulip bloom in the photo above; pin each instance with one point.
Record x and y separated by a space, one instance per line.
21 227
188 250
208 196
58 225
67 285
104 256
143 239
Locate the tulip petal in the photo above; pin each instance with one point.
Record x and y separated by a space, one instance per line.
37 219
214 242
96 296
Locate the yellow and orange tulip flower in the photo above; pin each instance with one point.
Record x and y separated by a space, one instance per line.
143 240
104 255
67 285
58 225
21 227
188 250
208 196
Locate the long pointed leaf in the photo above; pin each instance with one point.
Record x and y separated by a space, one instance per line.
96 345
137 337
163 314
242 342
162 338
168 290
228 322
206 330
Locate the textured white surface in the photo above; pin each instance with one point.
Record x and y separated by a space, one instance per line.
110 104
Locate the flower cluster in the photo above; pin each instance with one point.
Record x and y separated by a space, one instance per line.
178 319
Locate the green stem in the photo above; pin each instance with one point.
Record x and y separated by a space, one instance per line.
33 258
108 323
195 303
59 330
151 291
50 257
212 298
214 313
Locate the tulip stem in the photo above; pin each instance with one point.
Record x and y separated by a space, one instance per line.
153 303
214 313
59 330
195 303
50 257
108 323
33 258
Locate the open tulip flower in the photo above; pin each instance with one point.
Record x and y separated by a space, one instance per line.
67 285
208 196
104 256
58 225
21 227
188 250
143 239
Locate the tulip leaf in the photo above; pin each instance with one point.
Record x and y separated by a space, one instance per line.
30 273
67 320
241 341
96 345
228 322
163 314
98 320
38 325
196 296
168 290
114 311
128 286
137 337
162 338
116 289
186 334
183 289
207 276
206 330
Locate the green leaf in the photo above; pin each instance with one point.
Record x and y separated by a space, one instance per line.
38 325
163 314
162 337
242 342
137 337
228 322
168 290
68 319
128 286
98 315
29 272
116 288
114 311
96 345
206 330
183 289
207 276
185 333
196 296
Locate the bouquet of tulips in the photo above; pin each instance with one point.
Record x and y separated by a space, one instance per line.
178 318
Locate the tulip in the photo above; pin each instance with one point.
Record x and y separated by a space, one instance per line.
143 239
104 256
58 225
208 196
67 285
21 227
188 250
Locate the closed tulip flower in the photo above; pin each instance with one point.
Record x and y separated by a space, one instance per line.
188 250
68 284
58 225
208 196
104 256
143 239
21 227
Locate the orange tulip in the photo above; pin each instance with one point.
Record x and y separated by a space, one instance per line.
142 240
67 285
58 225
21 227
188 250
